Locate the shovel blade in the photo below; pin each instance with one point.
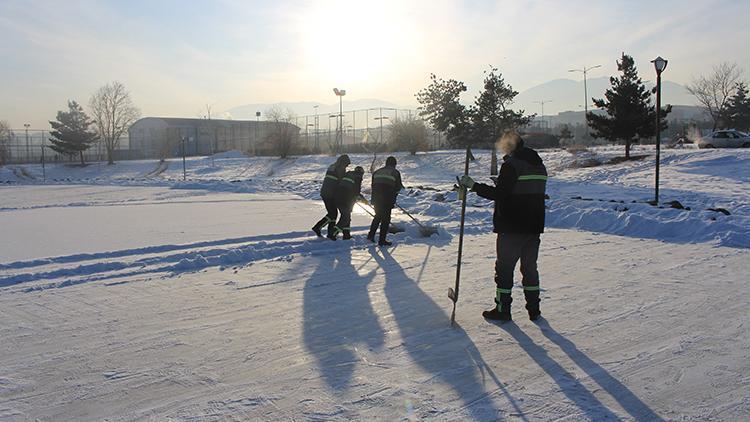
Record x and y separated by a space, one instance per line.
452 294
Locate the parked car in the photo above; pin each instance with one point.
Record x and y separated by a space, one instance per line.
725 139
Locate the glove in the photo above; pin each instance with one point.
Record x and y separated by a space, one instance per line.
467 181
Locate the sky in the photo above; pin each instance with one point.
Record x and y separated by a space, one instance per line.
176 57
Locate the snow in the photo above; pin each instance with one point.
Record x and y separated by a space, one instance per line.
128 293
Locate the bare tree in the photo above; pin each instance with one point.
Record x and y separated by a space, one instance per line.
5 134
713 91
113 111
283 134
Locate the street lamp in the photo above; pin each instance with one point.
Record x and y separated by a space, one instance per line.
339 134
659 64
317 142
257 125
331 116
542 102
28 152
585 70
381 118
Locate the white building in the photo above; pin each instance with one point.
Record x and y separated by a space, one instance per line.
163 137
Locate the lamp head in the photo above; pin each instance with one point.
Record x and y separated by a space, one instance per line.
659 64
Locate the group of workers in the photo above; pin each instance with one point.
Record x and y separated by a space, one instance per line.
342 188
518 219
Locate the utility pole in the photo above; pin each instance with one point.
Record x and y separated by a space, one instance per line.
585 70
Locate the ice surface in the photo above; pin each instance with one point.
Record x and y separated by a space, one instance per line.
127 293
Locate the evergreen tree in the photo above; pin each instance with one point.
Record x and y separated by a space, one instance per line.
630 114
565 134
479 124
738 109
71 133
441 107
491 114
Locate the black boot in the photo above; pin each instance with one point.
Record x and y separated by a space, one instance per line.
501 311
347 235
382 241
332 231
495 314
319 225
531 293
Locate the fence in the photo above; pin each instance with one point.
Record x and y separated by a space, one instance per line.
320 132
24 146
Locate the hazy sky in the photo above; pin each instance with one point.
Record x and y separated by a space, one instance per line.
177 56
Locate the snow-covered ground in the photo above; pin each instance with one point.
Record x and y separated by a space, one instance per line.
128 293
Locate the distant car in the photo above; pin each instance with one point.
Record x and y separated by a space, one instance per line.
725 139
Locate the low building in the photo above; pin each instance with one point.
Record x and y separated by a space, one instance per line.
164 137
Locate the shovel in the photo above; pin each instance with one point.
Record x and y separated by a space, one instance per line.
392 228
425 231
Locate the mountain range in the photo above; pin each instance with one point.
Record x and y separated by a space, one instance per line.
559 95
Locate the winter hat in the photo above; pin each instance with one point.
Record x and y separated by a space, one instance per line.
359 170
390 161
344 159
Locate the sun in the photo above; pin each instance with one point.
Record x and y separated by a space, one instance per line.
350 42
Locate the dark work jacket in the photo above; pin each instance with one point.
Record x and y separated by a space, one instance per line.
349 188
332 178
386 182
519 193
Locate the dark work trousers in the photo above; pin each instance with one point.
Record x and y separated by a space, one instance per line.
345 221
512 247
330 218
382 219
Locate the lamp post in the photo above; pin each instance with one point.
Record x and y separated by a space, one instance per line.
257 125
28 152
331 116
585 70
317 142
659 64
339 133
542 102
381 118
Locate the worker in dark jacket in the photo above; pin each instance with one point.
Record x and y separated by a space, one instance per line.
386 183
333 176
347 193
518 221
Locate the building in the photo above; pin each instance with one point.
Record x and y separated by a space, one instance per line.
163 137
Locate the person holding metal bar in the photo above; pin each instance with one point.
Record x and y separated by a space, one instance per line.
518 221
334 174
347 192
386 183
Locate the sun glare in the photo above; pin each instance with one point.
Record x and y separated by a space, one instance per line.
351 42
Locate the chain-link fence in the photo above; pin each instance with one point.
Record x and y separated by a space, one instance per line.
329 132
23 146
351 131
